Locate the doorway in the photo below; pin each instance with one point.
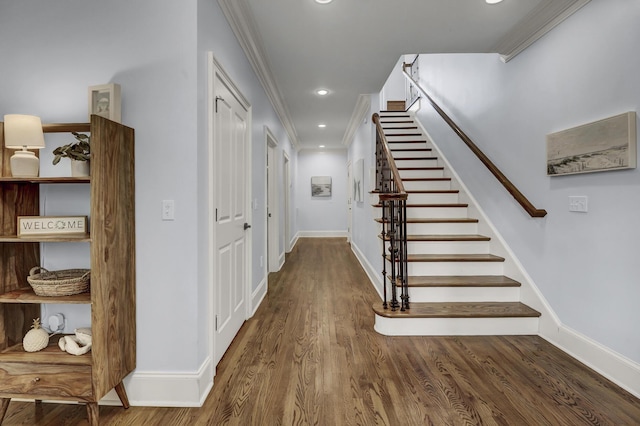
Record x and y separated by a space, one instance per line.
273 212
229 212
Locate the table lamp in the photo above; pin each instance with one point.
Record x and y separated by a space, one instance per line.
22 132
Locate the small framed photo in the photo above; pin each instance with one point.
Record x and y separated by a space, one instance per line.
104 100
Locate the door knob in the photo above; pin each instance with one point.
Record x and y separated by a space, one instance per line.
246 226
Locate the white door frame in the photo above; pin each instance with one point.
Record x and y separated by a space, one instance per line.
286 168
217 73
349 202
273 203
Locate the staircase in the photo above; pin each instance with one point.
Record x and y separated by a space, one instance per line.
456 285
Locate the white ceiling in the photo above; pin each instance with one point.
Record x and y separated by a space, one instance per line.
350 46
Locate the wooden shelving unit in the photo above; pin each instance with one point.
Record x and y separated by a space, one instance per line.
52 374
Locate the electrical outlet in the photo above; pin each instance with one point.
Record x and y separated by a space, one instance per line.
578 203
168 210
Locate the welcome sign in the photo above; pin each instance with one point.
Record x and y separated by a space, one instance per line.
32 226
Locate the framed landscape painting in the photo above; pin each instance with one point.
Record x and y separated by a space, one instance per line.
321 186
608 144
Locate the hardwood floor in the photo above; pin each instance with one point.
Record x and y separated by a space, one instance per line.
310 356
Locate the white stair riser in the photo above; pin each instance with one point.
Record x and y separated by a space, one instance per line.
455 268
416 163
422 173
464 294
405 138
439 228
455 326
439 212
408 145
434 198
421 185
451 247
412 154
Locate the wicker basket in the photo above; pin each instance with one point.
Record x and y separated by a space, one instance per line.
59 283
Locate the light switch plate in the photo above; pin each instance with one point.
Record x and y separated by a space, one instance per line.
168 210
578 203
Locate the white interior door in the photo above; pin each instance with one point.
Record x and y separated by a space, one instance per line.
231 216
273 217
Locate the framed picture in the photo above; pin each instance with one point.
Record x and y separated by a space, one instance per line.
321 186
358 179
608 144
104 100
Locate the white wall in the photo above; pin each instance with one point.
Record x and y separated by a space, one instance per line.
56 52
317 216
157 52
365 243
584 70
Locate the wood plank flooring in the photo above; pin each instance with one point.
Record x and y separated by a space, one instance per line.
309 356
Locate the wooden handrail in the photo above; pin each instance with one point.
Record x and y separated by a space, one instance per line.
65 127
510 187
401 194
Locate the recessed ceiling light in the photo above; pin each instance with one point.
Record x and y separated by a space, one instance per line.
488 1
322 92
322 126
323 1
320 146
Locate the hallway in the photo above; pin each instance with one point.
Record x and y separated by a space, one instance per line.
310 356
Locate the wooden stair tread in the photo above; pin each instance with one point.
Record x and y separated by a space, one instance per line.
453 258
426 179
420 168
443 238
433 191
411 149
438 220
460 310
422 191
416 141
462 281
400 127
454 205
453 237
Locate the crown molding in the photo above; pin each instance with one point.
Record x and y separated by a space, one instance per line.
238 14
542 19
360 112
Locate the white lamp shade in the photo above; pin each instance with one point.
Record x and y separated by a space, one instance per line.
23 132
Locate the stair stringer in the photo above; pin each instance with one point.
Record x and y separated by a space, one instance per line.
548 322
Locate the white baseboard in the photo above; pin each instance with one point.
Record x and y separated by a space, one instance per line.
615 367
372 273
281 260
321 234
147 389
294 241
258 295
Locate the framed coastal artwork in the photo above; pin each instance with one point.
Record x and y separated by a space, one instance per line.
607 144
104 100
358 181
321 186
